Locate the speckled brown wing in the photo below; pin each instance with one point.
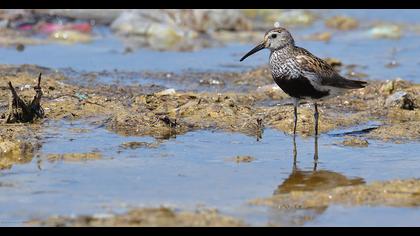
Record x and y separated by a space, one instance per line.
322 74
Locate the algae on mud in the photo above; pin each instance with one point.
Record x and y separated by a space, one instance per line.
241 159
135 145
397 193
145 217
132 110
74 156
355 142
15 151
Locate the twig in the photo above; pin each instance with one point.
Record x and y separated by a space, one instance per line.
19 111
36 102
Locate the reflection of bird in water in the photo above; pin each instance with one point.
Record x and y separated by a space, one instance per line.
307 180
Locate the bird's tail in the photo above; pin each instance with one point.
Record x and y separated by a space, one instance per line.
341 82
344 83
355 84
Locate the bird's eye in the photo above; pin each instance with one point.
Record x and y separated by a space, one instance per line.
273 36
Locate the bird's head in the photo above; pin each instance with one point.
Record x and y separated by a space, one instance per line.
274 39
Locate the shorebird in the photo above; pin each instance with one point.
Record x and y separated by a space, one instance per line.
300 74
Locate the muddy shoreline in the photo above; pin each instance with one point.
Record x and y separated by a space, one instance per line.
63 100
135 111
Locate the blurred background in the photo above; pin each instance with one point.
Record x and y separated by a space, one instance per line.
198 39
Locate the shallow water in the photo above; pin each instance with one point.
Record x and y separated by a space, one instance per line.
107 53
192 169
372 216
186 171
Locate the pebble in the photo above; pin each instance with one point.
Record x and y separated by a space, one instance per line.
400 99
166 92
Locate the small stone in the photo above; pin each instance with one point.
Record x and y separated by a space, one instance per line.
242 159
135 145
20 47
166 92
389 31
26 86
211 82
355 142
81 96
297 18
102 215
342 23
355 74
388 87
8 146
71 36
400 99
268 88
392 64
323 36
75 156
333 62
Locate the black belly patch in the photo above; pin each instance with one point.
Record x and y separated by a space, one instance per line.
300 88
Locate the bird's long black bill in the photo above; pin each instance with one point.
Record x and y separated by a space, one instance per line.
254 50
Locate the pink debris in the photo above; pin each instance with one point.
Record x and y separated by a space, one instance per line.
48 28
82 27
26 27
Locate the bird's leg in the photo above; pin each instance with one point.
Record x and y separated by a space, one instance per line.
316 153
294 153
316 115
295 104
295 121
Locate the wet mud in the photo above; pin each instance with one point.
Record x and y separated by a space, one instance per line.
396 193
137 111
146 217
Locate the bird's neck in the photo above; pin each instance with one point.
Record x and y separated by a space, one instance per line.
284 52
286 48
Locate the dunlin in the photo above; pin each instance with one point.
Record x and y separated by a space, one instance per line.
300 74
